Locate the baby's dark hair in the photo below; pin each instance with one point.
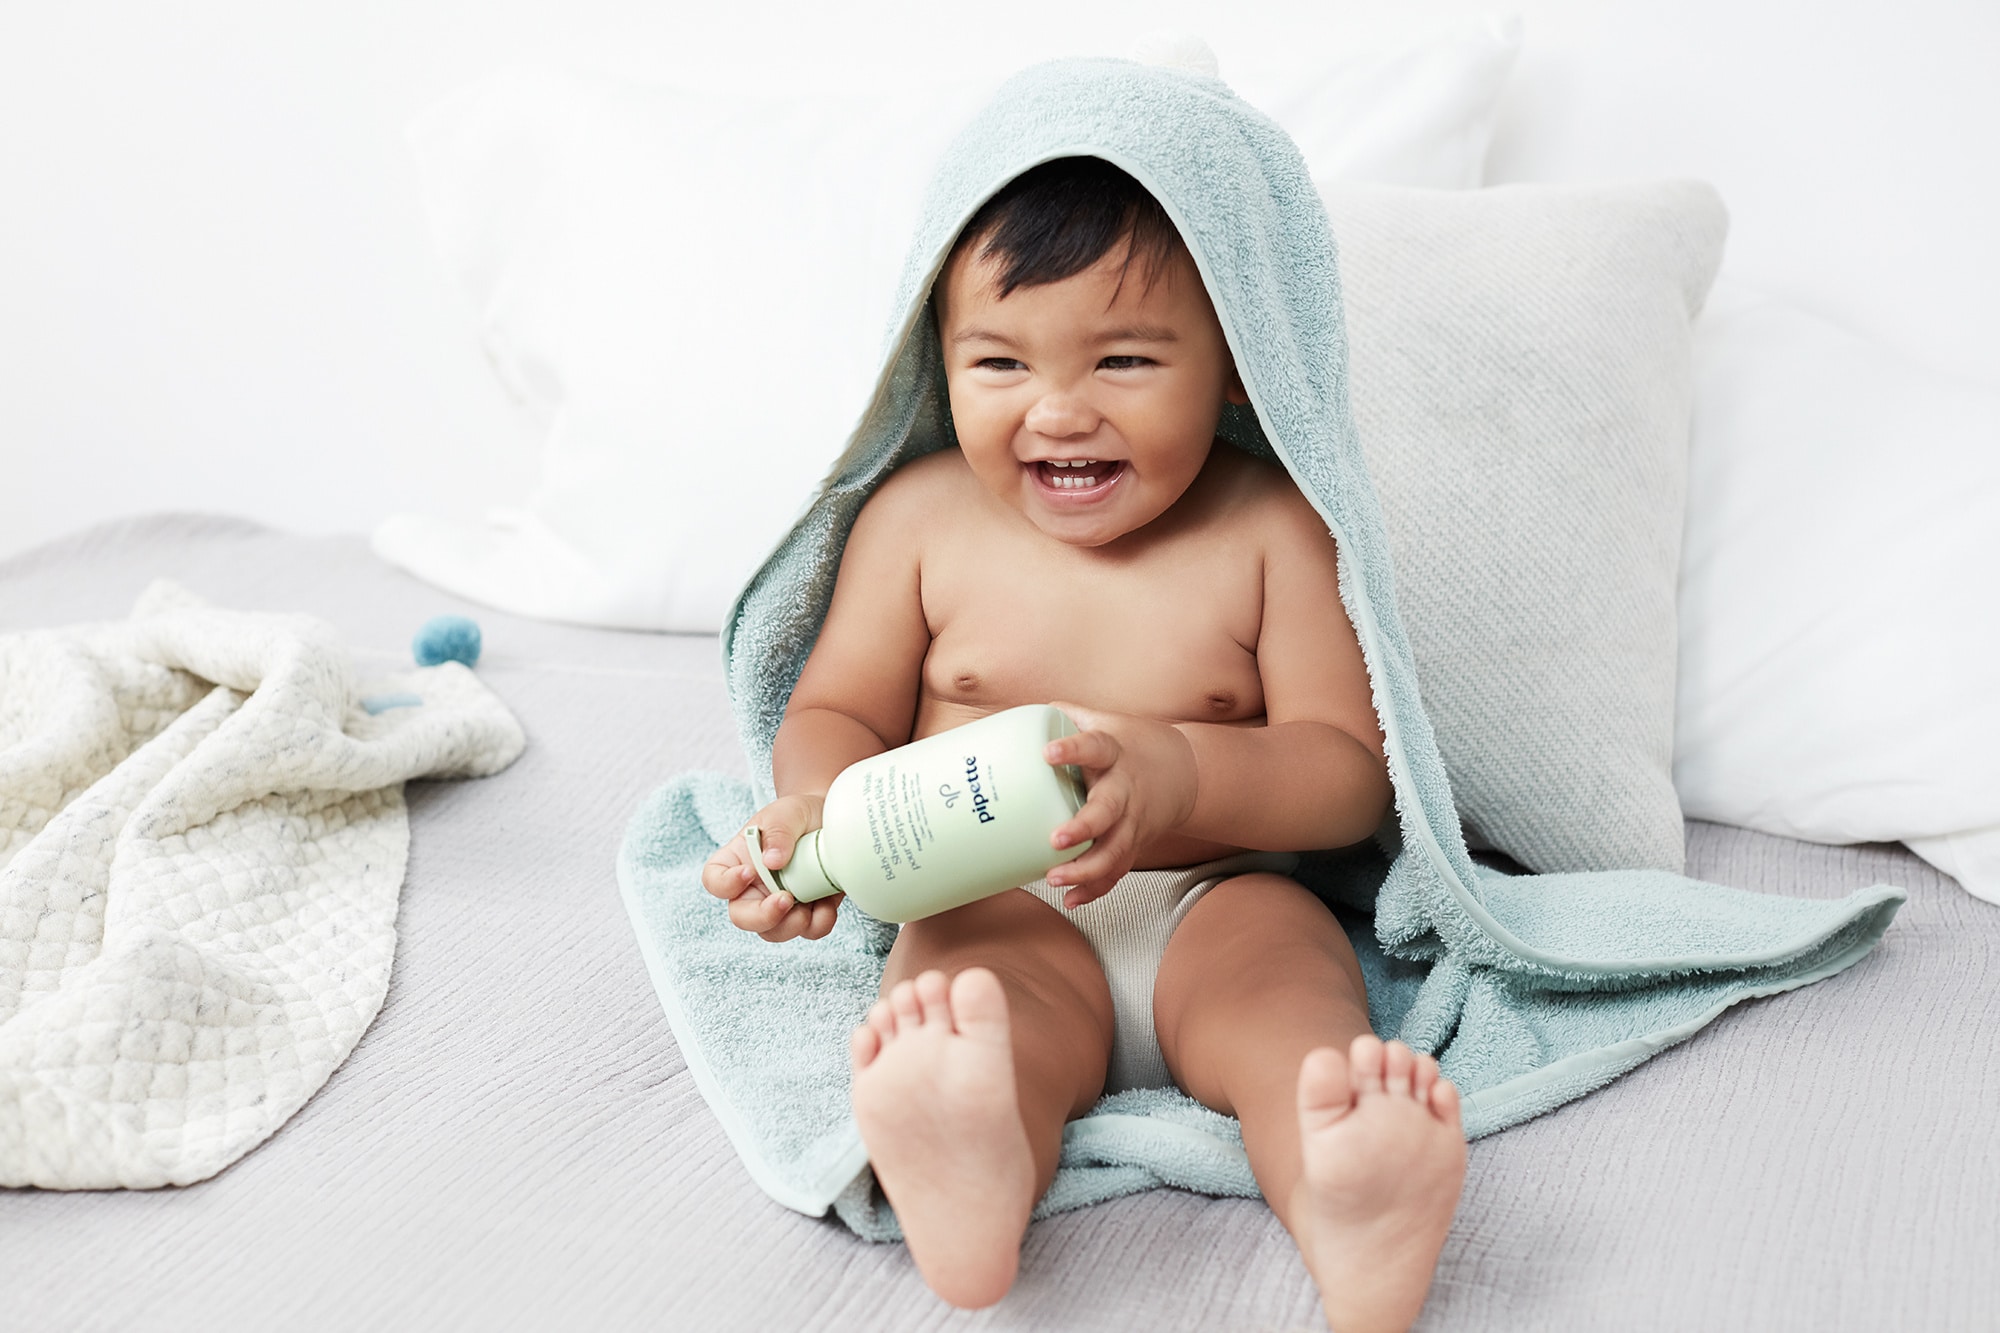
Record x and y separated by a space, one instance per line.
1056 220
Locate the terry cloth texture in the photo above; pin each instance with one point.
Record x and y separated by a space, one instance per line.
1128 929
202 841
1531 991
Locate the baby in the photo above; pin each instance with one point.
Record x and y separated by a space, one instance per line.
1091 543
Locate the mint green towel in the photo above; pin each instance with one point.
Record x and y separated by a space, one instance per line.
1530 990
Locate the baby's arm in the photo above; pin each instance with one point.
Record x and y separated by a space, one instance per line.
856 697
1312 777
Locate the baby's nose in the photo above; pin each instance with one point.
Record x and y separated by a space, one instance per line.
1062 416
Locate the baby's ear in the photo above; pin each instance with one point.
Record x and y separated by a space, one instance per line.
1234 392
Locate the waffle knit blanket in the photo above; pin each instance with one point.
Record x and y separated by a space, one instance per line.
202 841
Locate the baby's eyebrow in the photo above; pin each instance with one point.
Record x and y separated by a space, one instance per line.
1140 333
1133 333
982 335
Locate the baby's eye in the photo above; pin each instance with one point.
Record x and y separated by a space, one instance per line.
1125 362
998 363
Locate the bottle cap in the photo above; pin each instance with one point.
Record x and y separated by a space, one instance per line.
804 877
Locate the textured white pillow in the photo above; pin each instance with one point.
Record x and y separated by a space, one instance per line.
690 290
1521 385
1840 593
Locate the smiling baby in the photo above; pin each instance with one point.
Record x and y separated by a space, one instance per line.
1091 543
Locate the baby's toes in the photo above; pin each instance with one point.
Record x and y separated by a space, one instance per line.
933 997
1425 1074
863 1045
1444 1103
1399 1064
883 1019
1364 1064
903 1000
979 1007
1325 1090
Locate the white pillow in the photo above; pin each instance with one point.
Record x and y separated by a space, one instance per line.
691 290
1418 115
1840 593
1520 379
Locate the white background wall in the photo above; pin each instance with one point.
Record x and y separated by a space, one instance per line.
216 290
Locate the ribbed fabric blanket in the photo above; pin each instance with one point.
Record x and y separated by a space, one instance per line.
1530 990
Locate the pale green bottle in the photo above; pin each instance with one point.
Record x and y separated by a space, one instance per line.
940 822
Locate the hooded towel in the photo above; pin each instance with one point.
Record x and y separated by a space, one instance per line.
1530 990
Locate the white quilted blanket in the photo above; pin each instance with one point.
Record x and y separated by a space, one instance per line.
202 841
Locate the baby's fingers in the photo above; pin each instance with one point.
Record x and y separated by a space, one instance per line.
1094 750
1089 891
758 911
723 875
1099 815
1093 874
821 917
1098 868
812 921
789 927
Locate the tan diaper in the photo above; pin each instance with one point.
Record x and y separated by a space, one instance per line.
1128 928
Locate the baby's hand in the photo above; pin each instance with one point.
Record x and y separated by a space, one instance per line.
729 875
1140 773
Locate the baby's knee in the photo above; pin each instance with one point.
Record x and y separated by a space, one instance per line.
1041 959
1256 941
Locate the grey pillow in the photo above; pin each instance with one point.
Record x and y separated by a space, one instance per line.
1521 385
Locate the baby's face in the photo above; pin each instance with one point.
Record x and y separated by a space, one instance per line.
1088 404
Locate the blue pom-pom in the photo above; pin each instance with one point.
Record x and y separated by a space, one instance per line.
447 639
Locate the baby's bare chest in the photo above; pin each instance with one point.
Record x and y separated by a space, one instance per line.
1171 634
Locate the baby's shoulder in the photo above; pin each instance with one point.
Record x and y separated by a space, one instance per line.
904 504
936 478
1258 493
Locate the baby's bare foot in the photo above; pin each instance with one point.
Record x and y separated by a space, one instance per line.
935 1098
1384 1160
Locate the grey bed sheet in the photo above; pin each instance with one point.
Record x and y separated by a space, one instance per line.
517 1143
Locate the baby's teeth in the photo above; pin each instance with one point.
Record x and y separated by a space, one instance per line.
1068 481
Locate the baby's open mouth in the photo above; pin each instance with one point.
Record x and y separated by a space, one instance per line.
1079 474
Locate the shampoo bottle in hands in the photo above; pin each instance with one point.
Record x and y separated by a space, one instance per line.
940 822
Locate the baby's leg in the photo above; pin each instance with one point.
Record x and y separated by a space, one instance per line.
1262 1014
993 1030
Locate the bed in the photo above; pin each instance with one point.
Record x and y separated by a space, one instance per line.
517 1142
